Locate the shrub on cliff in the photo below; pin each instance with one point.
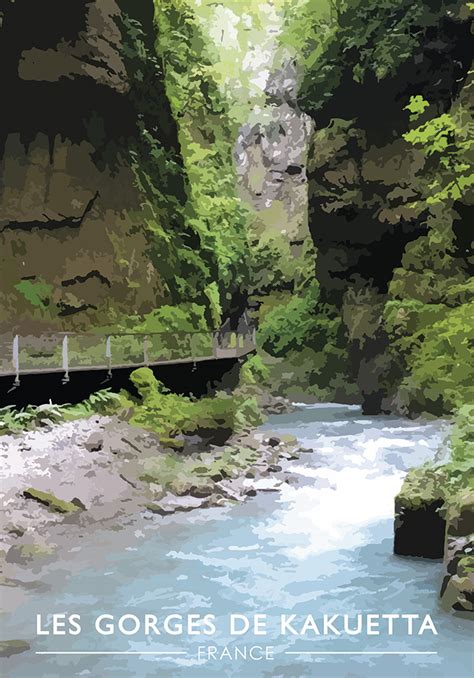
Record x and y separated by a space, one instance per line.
310 339
254 372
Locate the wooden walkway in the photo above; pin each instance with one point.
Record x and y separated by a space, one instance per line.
64 353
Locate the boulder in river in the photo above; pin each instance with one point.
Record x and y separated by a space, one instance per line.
11 647
457 592
420 524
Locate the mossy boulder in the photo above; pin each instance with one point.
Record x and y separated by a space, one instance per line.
162 510
11 647
460 512
21 554
51 502
176 444
420 524
434 515
422 486
466 566
458 591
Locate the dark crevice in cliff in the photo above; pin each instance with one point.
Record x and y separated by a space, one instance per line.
51 224
66 310
463 241
84 278
65 109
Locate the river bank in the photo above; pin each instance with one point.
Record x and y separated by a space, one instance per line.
101 470
434 514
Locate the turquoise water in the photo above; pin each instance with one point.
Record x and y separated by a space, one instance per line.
323 544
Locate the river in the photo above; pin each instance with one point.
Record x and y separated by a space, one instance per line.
323 544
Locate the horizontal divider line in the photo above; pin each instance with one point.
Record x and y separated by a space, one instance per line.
379 652
98 652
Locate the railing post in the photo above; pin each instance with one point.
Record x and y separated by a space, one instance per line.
65 378
192 349
16 359
145 350
108 355
215 344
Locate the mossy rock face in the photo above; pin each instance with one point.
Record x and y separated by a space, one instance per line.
457 548
195 486
458 593
175 444
22 554
420 532
158 508
11 647
52 502
466 566
460 514
422 486
202 489
420 524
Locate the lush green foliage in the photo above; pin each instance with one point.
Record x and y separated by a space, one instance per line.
207 133
172 415
439 361
175 247
16 421
290 324
37 293
448 139
462 444
361 40
308 339
254 372
452 482
430 321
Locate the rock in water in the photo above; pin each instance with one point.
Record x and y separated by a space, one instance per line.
11 647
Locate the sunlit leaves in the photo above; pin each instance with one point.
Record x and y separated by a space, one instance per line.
416 106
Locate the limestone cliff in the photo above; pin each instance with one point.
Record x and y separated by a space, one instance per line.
77 246
271 158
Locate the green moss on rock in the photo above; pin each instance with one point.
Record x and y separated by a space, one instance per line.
52 502
466 566
422 486
22 554
172 443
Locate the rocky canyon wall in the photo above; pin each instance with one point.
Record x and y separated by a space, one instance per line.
77 248
389 250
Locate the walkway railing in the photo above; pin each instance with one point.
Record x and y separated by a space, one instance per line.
69 352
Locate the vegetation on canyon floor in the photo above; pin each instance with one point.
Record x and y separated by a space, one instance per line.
151 406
